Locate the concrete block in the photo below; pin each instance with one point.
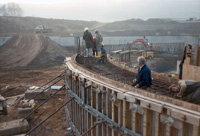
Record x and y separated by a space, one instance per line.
3 105
14 127
23 112
32 91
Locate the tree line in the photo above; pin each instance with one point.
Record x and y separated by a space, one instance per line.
11 9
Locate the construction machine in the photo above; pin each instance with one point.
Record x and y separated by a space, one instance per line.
41 29
147 53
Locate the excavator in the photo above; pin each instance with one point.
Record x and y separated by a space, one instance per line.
146 53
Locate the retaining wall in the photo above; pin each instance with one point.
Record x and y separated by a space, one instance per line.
103 107
112 40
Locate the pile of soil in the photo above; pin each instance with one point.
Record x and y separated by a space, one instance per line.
28 51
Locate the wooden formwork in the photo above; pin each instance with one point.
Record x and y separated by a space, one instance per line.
111 108
191 72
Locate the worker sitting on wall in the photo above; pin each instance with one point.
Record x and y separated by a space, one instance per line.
188 89
103 54
143 79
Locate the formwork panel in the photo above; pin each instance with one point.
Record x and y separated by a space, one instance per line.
132 111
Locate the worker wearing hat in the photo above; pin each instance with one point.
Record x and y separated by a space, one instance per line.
87 36
99 40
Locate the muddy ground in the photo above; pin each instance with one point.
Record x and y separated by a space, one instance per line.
57 124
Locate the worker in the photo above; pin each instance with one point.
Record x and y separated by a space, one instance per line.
188 89
143 79
95 47
99 40
103 54
87 36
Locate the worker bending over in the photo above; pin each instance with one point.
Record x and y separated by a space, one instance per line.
188 89
143 79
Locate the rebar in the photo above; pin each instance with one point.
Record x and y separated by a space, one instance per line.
51 80
42 103
44 89
48 117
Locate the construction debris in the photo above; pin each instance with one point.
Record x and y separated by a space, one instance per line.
23 112
14 127
34 90
3 105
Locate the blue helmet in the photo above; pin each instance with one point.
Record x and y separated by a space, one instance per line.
96 31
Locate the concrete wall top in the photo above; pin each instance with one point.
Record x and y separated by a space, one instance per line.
65 41
116 40
111 40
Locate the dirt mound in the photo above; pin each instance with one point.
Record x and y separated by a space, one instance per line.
30 51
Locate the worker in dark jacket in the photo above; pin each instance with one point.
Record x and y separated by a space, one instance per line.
103 54
143 78
187 89
87 36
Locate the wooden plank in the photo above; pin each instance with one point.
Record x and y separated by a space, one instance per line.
191 119
93 119
99 108
168 130
156 124
126 115
147 123
196 55
195 130
152 106
108 109
82 118
162 130
137 123
72 110
104 111
88 114
127 97
187 129
174 132
120 114
116 117
113 113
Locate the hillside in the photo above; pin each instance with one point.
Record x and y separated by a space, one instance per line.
131 27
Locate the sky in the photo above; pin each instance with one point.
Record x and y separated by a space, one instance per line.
109 10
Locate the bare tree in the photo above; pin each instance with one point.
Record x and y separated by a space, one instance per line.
3 11
11 9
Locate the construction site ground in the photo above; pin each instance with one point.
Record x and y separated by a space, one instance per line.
32 60
57 124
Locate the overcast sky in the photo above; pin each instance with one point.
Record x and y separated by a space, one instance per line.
109 10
